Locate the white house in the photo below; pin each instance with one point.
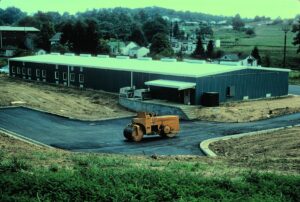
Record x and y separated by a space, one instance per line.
138 52
128 46
249 61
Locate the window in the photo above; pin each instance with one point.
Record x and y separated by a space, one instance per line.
72 77
37 73
13 69
19 70
72 68
65 76
44 73
81 78
81 69
56 75
230 91
29 71
23 71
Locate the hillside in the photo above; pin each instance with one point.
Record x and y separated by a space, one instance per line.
269 39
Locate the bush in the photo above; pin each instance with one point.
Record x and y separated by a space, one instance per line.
250 32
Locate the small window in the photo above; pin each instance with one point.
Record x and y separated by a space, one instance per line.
56 75
81 69
230 91
65 76
56 66
19 70
29 71
23 71
44 73
38 73
81 78
13 69
72 77
72 68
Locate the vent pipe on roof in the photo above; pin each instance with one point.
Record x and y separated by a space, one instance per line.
168 60
54 53
122 57
69 54
103 56
145 58
195 61
85 55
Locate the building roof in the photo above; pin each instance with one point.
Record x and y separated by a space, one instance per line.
134 65
56 37
179 85
230 57
18 29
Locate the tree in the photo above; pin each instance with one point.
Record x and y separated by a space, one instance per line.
250 32
156 26
255 54
206 30
296 29
267 61
91 36
160 45
199 51
237 23
138 36
176 31
210 49
46 32
103 47
11 15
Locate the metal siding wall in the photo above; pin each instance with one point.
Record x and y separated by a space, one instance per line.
252 83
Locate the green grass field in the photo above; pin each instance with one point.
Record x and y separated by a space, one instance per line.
270 41
83 177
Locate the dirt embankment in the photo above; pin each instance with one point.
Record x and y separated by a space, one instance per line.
250 110
276 150
74 103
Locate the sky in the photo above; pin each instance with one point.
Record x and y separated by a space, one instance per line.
246 8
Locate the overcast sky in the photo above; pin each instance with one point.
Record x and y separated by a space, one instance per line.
247 8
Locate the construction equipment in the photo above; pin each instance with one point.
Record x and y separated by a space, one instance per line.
150 124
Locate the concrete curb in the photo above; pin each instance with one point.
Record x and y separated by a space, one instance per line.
204 145
24 139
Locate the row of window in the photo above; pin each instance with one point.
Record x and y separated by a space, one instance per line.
72 76
28 71
38 74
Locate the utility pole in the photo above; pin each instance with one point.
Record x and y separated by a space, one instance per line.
285 29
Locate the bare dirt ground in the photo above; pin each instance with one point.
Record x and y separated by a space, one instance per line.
250 110
277 150
69 102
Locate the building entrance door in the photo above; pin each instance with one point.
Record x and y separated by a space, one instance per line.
187 97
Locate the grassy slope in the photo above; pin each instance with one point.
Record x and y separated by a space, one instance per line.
29 173
267 36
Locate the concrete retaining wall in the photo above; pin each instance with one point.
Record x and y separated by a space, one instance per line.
159 109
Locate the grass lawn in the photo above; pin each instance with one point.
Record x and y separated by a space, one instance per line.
29 173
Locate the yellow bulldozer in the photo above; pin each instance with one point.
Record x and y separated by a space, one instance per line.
150 124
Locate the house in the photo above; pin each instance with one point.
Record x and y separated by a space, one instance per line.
56 38
128 46
249 61
138 52
230 57
12 37
121 48
116 47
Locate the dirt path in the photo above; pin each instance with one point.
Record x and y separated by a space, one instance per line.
274 150
74 103
250 110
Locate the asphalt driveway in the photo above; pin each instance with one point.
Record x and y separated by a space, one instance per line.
107 136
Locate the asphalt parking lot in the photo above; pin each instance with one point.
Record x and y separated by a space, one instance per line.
107 136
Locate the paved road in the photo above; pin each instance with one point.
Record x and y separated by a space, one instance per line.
294 89
107 137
